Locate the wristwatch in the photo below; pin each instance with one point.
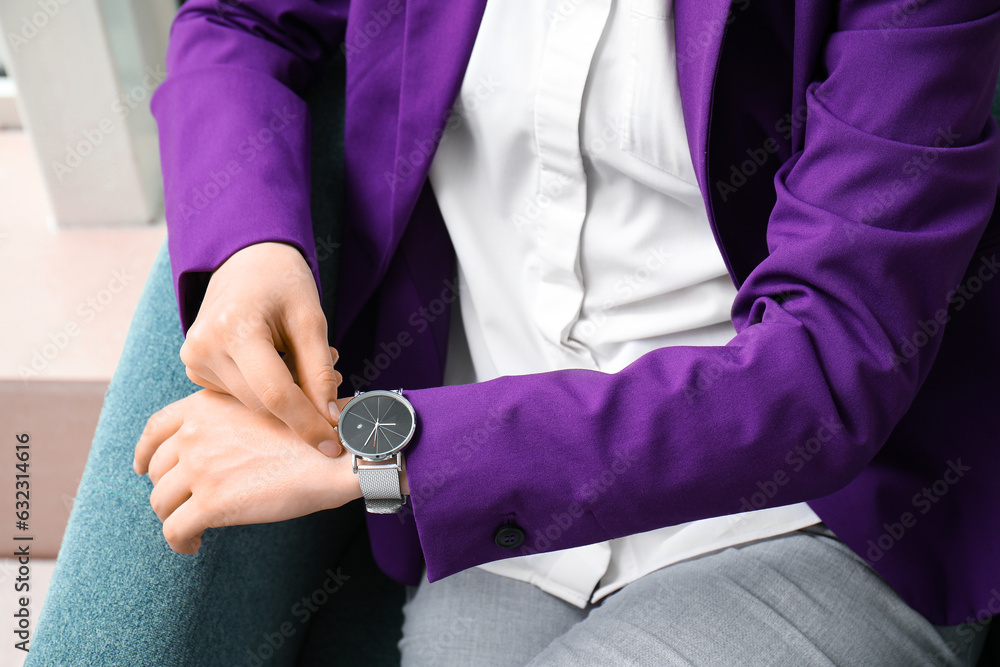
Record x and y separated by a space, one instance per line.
375 426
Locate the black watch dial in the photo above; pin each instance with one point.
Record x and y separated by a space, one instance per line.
376 424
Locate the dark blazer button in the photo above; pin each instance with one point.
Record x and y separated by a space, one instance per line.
509 537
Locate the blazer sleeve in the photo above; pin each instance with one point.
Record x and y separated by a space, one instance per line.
876 220
234 132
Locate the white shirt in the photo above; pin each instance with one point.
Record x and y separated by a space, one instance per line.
567 188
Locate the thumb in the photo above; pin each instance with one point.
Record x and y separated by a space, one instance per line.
314 367
314 363
335 451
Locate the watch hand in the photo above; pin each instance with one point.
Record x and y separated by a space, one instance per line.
370 435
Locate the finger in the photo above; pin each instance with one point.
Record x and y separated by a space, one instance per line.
183 528
218 371
290 365
201 357
336 357
163 461
272 383
204 381
160 426
289 360
236 385
171 491
335 451
314 361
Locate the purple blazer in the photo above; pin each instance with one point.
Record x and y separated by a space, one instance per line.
849 166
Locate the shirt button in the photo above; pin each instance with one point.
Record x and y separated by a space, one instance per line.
509 537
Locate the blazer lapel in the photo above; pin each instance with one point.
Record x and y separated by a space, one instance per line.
437 44
436 51
699 27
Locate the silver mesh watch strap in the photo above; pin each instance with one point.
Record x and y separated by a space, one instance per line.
380 487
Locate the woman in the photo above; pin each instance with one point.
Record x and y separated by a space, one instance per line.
666 479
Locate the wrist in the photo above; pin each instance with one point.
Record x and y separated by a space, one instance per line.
337 484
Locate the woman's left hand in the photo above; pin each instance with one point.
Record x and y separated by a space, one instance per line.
214 462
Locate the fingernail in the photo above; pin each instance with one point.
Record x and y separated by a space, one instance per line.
135 466
329 447
334 410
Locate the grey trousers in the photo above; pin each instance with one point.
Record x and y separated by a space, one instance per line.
802 598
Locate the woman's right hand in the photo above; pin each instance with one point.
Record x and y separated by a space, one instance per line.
260 302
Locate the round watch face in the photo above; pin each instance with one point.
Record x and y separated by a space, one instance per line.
376 424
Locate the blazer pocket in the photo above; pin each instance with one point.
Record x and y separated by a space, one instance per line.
652 119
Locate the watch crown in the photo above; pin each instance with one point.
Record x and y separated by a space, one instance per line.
357 392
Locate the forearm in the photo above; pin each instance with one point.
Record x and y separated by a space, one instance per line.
234 133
